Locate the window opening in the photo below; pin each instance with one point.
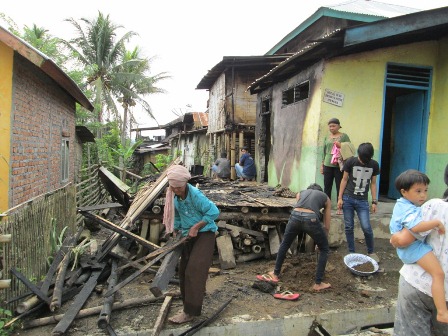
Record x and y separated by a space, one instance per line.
296 93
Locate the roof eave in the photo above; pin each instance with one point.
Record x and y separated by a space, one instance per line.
46 64
321 12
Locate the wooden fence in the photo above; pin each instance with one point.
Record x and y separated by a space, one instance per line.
30 225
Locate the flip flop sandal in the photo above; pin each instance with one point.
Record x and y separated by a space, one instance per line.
267 278
287 295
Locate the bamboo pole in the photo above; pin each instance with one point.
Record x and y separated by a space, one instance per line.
96 310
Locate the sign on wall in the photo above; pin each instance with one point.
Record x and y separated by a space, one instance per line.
333 97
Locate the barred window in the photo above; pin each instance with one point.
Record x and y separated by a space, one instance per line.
296 93
266 105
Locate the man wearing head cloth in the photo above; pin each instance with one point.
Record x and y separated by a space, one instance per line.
189 212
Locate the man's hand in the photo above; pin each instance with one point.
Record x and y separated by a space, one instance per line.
340 203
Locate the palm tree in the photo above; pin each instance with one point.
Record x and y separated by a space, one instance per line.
97 49
39 38
131 83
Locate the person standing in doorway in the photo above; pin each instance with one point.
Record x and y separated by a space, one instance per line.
330 168
360 174
245 168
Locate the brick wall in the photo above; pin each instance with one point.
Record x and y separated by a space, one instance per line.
43 113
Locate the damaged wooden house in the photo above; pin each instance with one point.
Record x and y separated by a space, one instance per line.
231 108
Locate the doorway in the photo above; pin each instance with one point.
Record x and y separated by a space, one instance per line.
405 125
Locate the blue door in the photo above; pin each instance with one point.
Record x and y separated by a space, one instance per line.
407 137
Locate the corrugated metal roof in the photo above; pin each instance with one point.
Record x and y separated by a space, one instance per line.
354 10
200 119
376 8
414 27
265 62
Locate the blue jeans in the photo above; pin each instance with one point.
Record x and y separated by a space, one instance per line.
362 209
309 223
239 172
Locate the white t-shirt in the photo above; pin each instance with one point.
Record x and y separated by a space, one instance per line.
413 273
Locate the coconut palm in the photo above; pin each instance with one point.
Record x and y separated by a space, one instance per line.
97 48
131 84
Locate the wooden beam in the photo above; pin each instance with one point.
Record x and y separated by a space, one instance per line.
101 206
31 286
78 303
162 315
165 272
103 320
119 230
94 310
224 225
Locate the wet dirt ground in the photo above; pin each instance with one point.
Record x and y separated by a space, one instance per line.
348 291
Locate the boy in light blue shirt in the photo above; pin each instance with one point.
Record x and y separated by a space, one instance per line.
407 214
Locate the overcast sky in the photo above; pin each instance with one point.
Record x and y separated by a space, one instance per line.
187 38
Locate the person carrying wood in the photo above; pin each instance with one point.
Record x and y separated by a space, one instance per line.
190 213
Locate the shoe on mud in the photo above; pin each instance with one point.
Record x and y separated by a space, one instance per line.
375 257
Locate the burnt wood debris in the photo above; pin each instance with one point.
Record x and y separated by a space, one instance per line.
250 226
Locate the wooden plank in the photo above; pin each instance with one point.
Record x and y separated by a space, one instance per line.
30 286
134 275
224 225
119 230
138 206
166 248
101 206
225 251
143 233
78 303
165 272
162 315
103 320
94 310
274 241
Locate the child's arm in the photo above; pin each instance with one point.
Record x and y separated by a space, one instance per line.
402 238
429 225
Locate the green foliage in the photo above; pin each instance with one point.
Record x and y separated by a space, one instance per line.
78 251
56 240
5 317
162 161
127 151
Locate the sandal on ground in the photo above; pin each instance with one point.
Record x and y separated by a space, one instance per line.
287 295
267 278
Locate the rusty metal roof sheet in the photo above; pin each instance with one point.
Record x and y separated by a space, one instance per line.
200 119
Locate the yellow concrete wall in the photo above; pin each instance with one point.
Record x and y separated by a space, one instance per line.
6 67
361 78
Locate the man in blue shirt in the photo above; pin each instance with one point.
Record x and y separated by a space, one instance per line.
245 169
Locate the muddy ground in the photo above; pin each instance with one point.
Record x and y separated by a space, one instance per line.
348 292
